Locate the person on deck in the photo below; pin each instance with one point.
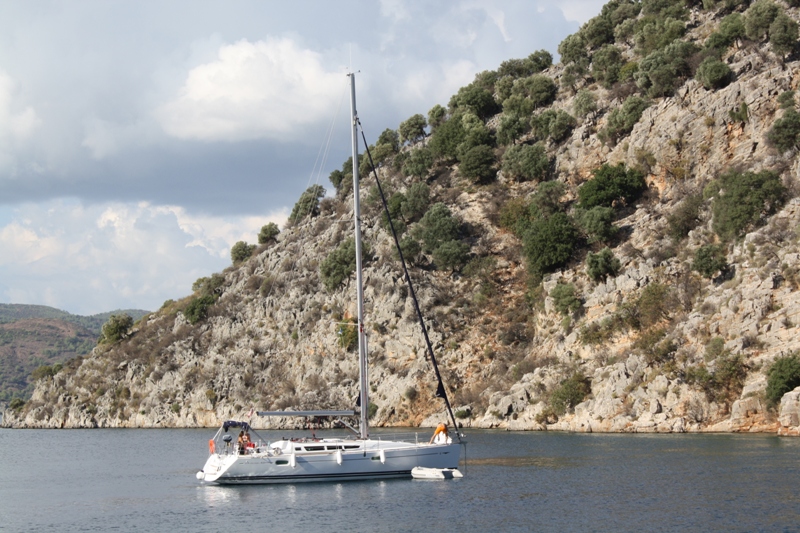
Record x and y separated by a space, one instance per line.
440 435
242 443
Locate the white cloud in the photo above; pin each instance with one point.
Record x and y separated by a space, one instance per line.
395 9
254 90
89 259
17 123
579 11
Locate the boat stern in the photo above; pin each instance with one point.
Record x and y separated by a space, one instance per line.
215 466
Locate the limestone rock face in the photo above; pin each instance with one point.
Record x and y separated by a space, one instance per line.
276 336
789 417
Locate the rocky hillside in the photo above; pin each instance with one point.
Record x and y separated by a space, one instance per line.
33 336
606 244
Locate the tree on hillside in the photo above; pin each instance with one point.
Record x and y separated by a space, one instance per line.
436 116
611 185
241 251
413 129
548 243
477 164
308 204
783 35
268 233
116 328
759 17
743 199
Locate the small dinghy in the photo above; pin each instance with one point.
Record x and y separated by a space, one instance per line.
420 472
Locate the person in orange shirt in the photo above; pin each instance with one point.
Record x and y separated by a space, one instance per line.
440 435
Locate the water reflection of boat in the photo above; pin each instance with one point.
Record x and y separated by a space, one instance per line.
311 459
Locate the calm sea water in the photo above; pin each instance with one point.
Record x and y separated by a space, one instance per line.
143 480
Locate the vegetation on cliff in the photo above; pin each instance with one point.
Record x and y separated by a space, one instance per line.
609 243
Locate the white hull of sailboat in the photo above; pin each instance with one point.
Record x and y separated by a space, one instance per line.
373 460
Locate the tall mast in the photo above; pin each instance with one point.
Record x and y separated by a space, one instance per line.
362 340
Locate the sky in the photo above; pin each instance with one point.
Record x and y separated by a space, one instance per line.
139 140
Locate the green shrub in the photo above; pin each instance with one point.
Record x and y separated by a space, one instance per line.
786 100
197 308
437 227
526 162
564 299
584 103
436 116
308 204
758 18
597 32
476 99
518 105
447 137
116 328
602 264
685 217
348 334
268 233
411 393
477 164
416 203
339 264
412 129
730 29
606 64
569 393
555 125
785 132
655 348
740 114
418 162
573 49
782 377
783 35
622 119
548 243
513 212
389 138
539 89
241 251
16 404
521 68
410 248
715 348
451 255
211 395
654 35
209 285
43 372
372 410
546 199
597 223
663 70
476 135
743 199
510 128
610 185
654 304
709 259
713 73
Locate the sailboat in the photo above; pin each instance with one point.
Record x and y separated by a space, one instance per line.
354 457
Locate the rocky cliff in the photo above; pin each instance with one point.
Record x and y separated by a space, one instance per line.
658 343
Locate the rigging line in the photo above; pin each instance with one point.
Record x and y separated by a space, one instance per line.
440 390
319 163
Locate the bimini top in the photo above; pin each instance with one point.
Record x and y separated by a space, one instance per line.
234 424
